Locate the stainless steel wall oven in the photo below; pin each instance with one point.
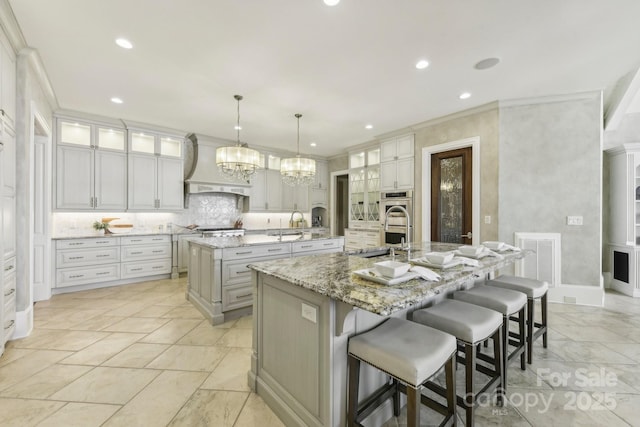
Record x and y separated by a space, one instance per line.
396 220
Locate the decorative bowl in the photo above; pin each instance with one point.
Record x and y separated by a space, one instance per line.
471 250
439 257
392 269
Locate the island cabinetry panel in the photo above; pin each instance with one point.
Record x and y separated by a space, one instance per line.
310 247
256 251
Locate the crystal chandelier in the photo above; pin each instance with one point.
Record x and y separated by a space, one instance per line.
238 162
298 170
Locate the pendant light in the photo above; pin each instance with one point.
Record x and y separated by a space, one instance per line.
238 162
298 170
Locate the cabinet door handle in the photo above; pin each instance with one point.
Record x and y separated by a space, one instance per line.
244 272
155 267
95 201
103 256
275 250
10 292
102 273
136 253
101 242
8 268
306 246
157 252
76 257
10 324
327 244
243 296
76 276
136 269
244 253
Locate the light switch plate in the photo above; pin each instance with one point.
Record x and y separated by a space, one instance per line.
309 312
487 219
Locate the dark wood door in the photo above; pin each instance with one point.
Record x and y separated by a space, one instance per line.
451 192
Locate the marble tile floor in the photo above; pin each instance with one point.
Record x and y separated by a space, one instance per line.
133 355
141 355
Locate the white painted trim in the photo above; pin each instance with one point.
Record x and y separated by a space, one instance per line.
582 295
548 99
474 143
332 199
457 115
24 323
624 288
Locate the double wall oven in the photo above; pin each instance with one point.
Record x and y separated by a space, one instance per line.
397 220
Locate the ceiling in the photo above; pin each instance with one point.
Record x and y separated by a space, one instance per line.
341 67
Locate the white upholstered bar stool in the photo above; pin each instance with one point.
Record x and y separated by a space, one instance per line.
410 354
511 304
471 325
533 289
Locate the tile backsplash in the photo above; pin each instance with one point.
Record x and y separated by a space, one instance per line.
203 209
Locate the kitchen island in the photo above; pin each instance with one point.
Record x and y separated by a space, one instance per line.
304 311
219 280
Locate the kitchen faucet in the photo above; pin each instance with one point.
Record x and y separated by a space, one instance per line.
302 220
408 232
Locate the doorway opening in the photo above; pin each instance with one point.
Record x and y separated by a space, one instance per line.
340 202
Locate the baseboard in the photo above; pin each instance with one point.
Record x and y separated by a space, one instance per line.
577 294
24 323
625 288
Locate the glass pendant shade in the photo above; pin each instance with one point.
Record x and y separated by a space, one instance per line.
238 162
298 170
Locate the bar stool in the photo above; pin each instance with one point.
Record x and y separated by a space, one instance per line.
534 289
471 325
411 354
510 304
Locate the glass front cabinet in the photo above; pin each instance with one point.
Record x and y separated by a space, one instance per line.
364 189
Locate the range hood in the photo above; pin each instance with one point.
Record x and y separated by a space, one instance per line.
201 175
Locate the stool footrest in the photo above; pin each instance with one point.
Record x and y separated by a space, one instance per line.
372 402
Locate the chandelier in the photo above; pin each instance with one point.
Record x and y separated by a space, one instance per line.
298 170
238 162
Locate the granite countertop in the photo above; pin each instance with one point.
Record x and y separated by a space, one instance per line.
331 275
254 239
83 234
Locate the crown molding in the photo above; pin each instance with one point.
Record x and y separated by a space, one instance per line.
550 99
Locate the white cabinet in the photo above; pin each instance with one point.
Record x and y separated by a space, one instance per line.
295 198
397 148
145 255
266 191
87 261
364 188
397 163
360 239
321 180
91 167
155 183
155 171
397 175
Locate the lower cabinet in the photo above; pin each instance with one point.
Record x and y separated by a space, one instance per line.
118 259
9 301
361 239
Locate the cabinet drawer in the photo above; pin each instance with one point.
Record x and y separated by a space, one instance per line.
256 251
315 245
237 272
73 258
237 296
9 323
88 243
146 268
132 253
9 287
10 265
93 274
145 240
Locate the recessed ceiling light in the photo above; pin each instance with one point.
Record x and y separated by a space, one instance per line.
422 64
368 127
487 63
331 2
124 43
313 144
116 100
465 95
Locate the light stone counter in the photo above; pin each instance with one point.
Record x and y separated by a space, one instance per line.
254 239
304 311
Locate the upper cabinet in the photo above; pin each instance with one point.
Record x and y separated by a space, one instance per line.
319 190
91 166
265 194
397 162
364 188
155 171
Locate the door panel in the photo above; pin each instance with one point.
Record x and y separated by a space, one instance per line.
451 192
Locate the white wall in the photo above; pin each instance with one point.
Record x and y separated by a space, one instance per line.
550 166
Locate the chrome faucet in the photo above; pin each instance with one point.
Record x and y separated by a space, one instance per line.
408 232
291 219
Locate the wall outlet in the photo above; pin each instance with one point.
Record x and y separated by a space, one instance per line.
487 219
309 312
574 220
